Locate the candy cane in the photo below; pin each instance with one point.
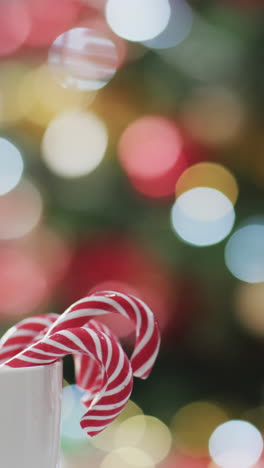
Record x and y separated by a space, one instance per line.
104 302
102 369
88 376
28 331
24 333
33 329
117 379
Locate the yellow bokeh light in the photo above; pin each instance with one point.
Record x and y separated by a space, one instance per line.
131 432
41 97
249 301
12 73
74 143
147 433
127 457
207 174
193 425
106 439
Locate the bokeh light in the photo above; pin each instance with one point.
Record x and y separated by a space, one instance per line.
202 216
12 74
214 115
178 28
244 253
208 174
49 19
249 310
204 203
180 460
33 268
23 285
138 20
83 59
127 457
106 440
74 143
146 433
40 97
51 251
96 22
20 211
11 166
95 4
72 411
15 24
236 444
115 260
193 425
152 155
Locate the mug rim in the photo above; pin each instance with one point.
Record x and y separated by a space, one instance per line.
6 369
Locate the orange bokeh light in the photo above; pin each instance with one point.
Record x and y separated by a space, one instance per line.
207 174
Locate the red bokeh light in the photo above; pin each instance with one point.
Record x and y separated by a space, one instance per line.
31 272
154 152
23 286
15 24
50 19
51 252
116 262
183 461
97 4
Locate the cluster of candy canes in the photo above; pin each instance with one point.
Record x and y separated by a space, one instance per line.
102 368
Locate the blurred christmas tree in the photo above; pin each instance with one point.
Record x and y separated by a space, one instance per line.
131 159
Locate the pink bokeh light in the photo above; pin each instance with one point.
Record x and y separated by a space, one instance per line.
51 18
23 286
15 25
153 153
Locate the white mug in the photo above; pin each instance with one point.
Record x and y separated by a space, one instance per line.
30 408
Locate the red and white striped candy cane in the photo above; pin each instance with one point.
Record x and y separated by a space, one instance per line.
30 330
24 333
87 372
117 379
104 302
102 369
